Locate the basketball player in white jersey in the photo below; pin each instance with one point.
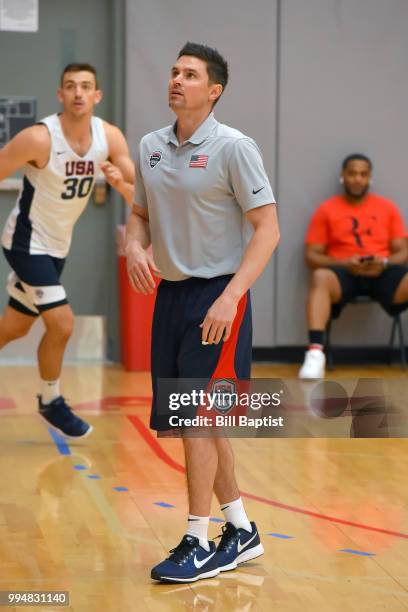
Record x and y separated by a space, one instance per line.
61 156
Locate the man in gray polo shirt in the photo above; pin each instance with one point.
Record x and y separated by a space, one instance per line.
199 183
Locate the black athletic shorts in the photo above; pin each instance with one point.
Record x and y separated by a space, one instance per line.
381 288
177 351
34 285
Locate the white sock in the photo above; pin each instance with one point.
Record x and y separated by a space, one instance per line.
197 526
50 389
234 513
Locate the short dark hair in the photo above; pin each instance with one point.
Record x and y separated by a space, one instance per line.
358 156
79 67
217 66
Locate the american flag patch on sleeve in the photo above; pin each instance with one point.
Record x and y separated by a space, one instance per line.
198 161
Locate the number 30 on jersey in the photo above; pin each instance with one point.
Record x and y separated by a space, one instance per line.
77 187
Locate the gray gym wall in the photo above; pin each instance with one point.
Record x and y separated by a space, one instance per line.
311 82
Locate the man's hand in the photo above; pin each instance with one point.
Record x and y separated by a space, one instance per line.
370 268
139 265
218 320
113 176
373 268
355 266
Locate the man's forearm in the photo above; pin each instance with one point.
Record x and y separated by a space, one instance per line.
399 258
137 231
127 192
319 260
256 256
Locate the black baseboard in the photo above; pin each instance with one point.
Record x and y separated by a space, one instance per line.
345 355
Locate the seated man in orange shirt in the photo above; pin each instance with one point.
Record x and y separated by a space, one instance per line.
355 245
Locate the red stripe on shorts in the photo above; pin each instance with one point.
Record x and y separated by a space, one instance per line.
226 366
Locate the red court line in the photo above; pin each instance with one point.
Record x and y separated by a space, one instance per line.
161 453
7 403
154 445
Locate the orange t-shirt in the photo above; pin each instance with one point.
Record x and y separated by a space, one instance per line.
348 229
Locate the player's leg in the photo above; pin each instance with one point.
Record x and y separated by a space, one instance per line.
19 314
225 484
209 362
324 290
166 333
328 286
14 325
391 289
230 360
36 288
401 293
240 539
59 322
189 561
59 325
194 557
238 530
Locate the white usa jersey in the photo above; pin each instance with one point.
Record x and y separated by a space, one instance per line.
52 198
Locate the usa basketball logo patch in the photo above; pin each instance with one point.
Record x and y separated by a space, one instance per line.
198 161
155 158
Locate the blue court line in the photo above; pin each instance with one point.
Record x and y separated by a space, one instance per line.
357 552
59 441
95 493
80 467
64 449
281 535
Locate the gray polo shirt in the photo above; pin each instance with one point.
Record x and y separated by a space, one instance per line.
196 194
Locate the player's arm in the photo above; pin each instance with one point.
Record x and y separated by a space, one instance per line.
119 171
398 256
399 252
315 257
139 256
219 318
31 145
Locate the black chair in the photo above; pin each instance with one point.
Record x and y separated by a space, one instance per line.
396 328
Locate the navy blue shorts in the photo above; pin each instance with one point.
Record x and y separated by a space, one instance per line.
177 351
34 285
381 288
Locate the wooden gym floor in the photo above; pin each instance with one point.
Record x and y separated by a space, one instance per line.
93 516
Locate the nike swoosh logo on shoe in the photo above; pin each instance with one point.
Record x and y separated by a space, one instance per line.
199 564
242 546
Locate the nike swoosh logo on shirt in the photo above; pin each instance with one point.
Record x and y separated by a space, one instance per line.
60 152
242 546
258 190
199 564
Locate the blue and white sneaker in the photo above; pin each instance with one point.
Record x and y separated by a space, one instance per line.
188 562
237 546
58 414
